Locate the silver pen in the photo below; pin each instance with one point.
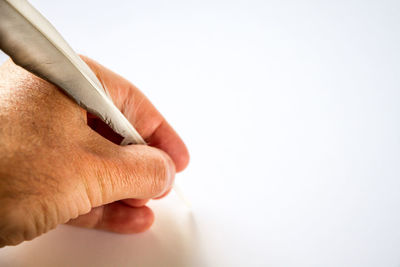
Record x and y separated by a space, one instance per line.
35 45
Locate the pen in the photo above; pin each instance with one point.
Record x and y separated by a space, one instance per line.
34 44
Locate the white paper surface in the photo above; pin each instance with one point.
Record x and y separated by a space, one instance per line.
3 57
291 112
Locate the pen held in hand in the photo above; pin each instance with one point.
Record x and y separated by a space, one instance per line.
34 44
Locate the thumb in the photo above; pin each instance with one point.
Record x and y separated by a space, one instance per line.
134 171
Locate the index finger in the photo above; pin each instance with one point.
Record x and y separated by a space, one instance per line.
138 109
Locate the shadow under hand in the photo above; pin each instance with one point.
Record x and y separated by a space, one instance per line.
172 241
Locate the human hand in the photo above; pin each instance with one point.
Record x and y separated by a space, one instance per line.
59 164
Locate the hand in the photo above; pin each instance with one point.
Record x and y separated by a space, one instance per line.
59 164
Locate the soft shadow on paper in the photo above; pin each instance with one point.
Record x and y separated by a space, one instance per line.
172 241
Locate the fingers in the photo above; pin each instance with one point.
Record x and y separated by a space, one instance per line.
116 217
165 194
114 173
142 114
165 138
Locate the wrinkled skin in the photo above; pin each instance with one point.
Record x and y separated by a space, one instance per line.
59 164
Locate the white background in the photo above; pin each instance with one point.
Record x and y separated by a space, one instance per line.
291 113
